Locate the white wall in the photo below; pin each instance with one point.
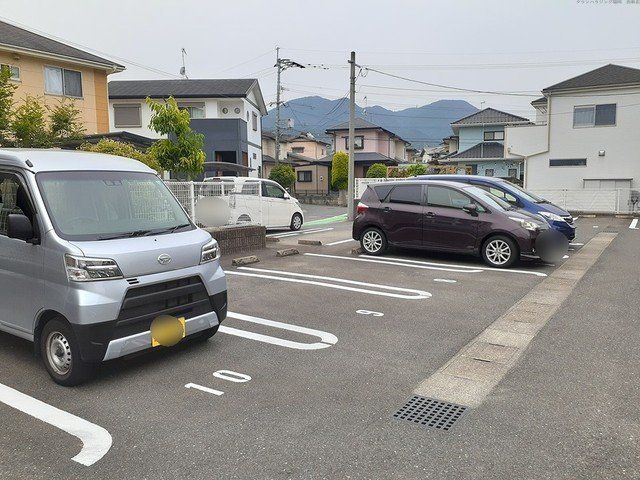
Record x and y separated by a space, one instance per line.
525 140
621 142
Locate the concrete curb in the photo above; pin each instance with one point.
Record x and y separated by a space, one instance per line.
272 239
238 262
309 242
357 251
287 252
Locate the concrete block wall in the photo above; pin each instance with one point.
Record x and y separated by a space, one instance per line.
239 238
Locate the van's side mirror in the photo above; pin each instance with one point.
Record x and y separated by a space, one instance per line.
19 226
286 196
471 209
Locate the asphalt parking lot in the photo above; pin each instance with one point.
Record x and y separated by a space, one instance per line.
321 349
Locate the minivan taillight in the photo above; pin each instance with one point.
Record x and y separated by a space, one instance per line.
361 208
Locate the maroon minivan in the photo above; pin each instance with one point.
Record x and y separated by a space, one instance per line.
445 216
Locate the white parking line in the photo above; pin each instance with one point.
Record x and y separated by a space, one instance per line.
391 262
326 339
634 224
299 232
412 294
403 262
575 244
444 280
96 441
204 389
341 241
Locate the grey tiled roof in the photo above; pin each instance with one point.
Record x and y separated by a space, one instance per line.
13 36
603 76
362 124
489 115
180 88
539 100
482 150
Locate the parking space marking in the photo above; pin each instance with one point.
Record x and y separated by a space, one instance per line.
339 242
96 441
385 261
411 294
326 339
404 262
204 389
575 244
369 312
634 224
444 280
232 376
299 232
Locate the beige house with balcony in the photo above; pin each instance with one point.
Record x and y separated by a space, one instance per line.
51 70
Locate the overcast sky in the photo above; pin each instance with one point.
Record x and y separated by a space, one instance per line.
466 43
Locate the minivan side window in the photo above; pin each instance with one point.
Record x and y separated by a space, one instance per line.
446 197
382 191
272 191
406 195
11 200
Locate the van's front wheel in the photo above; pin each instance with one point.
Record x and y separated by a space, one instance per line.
61 355
296 222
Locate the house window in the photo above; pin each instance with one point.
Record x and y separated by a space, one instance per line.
297 149
304 175
513 173
15 71
568 162
254 122
60 81
358 143
488 172
196 110
499 135
127 115
594 115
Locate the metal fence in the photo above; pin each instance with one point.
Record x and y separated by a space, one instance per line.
215 204
619 200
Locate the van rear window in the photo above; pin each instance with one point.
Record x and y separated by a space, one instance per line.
382 191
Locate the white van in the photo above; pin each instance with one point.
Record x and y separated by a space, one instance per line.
98 260
259 201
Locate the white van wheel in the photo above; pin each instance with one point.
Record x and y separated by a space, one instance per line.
296 222
61 355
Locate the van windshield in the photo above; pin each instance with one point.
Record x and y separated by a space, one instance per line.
98 205
524 193
490 199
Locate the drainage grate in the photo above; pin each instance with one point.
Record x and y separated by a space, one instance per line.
428 412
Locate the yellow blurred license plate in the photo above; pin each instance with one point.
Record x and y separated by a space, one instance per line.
167 330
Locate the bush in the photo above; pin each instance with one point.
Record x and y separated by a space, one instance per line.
340 171
416 169
29 124
121 149
377 170
283 174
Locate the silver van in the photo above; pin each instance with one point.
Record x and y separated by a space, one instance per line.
94 252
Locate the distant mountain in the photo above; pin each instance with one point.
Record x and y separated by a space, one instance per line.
426 125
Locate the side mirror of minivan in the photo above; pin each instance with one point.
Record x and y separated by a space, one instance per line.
19 226
286 196
471 208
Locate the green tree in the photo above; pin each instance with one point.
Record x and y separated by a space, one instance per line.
7 89
29 124
182 151
416 169
377 170
283 174
121 149
64 122
340 171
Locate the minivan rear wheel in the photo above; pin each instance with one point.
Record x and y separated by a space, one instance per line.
61 355
373 241
499 251
296 222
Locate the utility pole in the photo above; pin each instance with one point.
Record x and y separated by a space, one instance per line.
352 120
281 64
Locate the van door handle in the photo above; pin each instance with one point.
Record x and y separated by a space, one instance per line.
430 214
386 209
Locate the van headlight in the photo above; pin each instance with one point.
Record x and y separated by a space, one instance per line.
86 269
526 224
210 252
551 216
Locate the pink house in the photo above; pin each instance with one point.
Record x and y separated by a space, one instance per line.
373 144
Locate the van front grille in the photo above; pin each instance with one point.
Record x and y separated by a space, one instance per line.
186 297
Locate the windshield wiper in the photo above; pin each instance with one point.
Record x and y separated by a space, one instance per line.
135 233
167 230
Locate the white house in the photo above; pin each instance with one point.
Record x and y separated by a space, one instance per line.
586 134
228 112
